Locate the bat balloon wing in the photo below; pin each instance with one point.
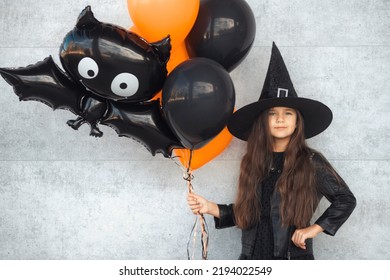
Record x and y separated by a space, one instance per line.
144 123
46 83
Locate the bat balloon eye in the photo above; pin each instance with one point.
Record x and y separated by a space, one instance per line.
88 68
125 84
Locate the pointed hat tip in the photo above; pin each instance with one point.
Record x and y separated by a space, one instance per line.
274 47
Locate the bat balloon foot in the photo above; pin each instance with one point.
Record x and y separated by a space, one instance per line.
75 124
95 131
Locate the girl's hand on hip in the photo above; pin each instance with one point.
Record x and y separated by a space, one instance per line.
300 235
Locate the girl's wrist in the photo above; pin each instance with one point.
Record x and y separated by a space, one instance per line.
212 209
317 228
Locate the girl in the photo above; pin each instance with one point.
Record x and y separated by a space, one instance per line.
281 178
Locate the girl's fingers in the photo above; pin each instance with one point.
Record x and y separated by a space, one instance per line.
299 240
195 202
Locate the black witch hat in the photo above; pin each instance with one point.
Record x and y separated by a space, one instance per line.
278 91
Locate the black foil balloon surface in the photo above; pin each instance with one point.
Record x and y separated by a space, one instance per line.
46 83
110 72
224 31
144 123
112 62
197 100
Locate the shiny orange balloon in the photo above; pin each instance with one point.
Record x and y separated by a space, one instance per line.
158 18
205 154
178 55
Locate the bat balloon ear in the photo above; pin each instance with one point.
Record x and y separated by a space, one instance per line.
163 49
86 19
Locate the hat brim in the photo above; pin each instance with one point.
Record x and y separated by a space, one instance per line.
317 116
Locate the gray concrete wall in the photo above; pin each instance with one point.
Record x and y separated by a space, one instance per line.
65 195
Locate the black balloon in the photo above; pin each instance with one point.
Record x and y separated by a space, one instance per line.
224 31
99 59
197 100
112 62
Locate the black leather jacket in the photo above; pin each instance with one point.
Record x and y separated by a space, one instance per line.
339 195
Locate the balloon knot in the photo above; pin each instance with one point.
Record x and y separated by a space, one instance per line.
188 176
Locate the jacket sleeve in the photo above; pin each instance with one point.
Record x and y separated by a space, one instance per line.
336 191
226 216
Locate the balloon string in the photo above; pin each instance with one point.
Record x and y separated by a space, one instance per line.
193 233
175 162
202 221
185 170
189 162
188 176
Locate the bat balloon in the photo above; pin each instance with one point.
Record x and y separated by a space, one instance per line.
109 74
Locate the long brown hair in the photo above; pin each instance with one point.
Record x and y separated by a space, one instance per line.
296 185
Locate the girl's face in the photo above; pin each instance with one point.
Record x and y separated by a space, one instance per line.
282 122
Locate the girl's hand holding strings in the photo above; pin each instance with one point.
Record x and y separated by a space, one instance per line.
200 205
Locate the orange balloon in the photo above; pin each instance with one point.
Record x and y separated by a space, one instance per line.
158 18
205 154
178 55
135 30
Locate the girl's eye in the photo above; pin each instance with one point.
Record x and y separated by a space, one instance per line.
290 113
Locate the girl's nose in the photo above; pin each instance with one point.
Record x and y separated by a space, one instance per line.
279 119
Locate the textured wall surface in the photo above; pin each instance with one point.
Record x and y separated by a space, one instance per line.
65 195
